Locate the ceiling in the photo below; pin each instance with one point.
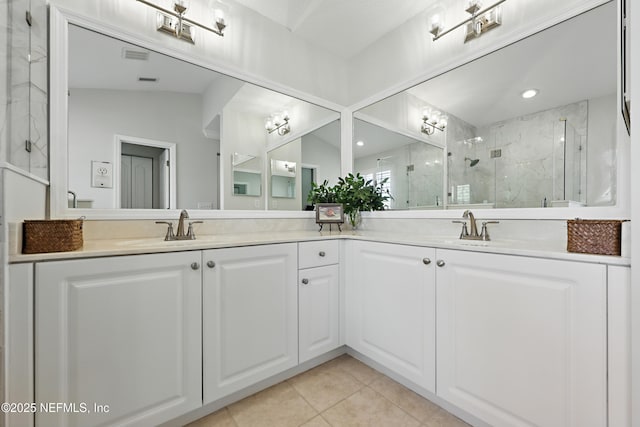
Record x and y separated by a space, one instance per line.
342 27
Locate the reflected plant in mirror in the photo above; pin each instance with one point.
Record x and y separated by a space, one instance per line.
537 130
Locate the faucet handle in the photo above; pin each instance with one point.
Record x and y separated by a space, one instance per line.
484 233
190 233
464 233
169 235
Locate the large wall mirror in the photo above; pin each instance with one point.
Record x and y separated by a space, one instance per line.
148 131
502 147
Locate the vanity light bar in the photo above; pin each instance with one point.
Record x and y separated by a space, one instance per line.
479 23
167 24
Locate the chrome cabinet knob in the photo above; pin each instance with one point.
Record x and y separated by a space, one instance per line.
211 264
305 281
195 266
322 253
426 261
440 263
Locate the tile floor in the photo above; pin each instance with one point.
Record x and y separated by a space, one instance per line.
341 392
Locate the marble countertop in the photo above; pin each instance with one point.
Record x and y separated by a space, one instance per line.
116 247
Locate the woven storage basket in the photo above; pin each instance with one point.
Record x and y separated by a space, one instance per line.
594 236
57 235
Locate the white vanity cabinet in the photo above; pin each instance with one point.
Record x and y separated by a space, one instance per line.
119 338
318 298
391 316
522 341
250 316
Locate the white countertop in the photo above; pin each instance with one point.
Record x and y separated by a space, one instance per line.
115 247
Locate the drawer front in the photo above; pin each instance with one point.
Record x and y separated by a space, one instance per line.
316 254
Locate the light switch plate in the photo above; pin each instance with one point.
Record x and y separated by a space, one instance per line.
101 174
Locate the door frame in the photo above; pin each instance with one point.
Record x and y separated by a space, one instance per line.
170 146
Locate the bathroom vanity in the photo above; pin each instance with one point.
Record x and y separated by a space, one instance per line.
496 331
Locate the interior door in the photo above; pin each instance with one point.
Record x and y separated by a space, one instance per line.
136 182
164 191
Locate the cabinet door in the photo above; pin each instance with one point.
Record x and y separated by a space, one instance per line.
122 332
319 311
250 317
391 308
522 341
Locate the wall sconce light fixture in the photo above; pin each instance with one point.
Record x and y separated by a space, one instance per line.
432 120
481 21
278 122
175 23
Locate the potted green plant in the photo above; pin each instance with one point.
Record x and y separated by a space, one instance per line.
322 193
357 195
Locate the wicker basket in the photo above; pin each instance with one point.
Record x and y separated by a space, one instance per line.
59 235
594 236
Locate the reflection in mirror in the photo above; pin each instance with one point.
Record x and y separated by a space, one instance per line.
283 179
318 159
121 93
414 167
247 175
509 150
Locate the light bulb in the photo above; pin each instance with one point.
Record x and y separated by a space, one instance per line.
285 115
268 125
435 117
435 23
443 121
426 112
218 15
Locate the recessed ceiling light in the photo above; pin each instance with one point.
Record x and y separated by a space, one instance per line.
529 93
360 143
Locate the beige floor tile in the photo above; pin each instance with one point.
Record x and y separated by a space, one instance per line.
221 418
317 422
325 386
444 419
279 405
416 405
356 368
367 408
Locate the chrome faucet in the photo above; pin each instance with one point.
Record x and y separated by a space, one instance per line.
180 234
472 234
75 198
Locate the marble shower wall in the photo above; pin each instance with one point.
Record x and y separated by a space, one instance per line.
530 166
23 114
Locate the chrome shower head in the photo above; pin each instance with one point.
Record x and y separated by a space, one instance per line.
472 162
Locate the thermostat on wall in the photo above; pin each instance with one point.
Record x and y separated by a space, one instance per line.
101 174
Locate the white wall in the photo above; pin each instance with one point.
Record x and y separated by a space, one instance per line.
252 45
635 213
291 152
602 151
96 116
241 133
407 55
324 156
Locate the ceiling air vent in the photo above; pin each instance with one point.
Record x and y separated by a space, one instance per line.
147 79
140 55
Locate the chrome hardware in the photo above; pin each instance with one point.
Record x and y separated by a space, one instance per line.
464 233
321 253
426 261
75 198
180 234
440 263
190 234
473 232
305 281
169 235
484 233
211 264
195 266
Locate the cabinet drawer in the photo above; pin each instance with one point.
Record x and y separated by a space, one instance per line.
316 254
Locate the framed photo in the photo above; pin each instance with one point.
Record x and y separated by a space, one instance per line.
329 213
